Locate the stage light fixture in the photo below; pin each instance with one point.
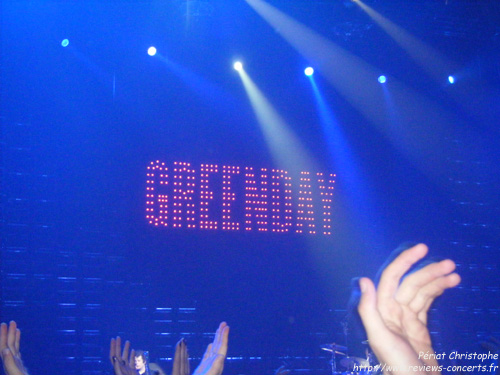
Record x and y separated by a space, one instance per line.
65 43
451 79
382 79
309 71
238 66
151 51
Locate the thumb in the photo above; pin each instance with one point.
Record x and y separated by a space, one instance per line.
382 341
368 301
367 308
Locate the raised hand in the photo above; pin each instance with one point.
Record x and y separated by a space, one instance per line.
213 359
10 339
122 362
395 315
181 359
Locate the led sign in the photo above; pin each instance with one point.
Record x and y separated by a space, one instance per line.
235 198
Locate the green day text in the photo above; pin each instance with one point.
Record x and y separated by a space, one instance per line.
238 198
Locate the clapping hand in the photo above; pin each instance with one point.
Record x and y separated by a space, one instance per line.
122 362
395 314
10 339
213 359
181 359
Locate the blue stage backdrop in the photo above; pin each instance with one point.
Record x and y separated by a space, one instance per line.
152 197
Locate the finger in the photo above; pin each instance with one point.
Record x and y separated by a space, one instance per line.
118 347
367 307
126 349
177 357
184 358
389 281
17 343
218 337
224 341
207 352
112 350
216 342
11 336
131 361
181 365
426 295
413 283
372 321
3 336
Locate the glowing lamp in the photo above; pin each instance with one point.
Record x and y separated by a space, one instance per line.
151 51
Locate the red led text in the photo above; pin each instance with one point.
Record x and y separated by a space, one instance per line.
233 198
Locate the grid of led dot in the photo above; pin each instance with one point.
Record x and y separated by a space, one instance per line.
232 198
206 195
281 209
326 193
305 213
228 197
256 208
156 172
184 184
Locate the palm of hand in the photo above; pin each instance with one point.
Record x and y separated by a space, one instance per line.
406 323
10 339
15 367
215 355
212 365
122 361
395 314
122 368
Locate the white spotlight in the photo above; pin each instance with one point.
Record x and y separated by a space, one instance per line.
309 71
238 66
382 79
451 79
151 51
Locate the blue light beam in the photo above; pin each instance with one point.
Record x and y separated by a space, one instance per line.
286 148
